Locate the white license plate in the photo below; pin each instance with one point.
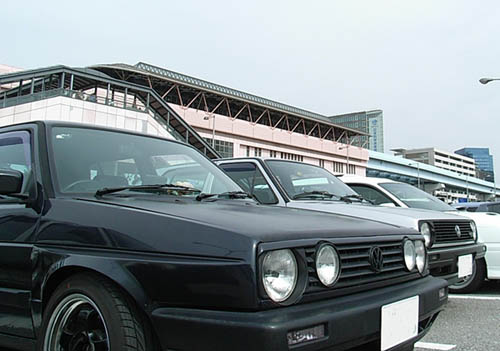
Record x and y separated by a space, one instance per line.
464 265
399 322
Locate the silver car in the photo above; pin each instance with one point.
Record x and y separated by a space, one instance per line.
300 185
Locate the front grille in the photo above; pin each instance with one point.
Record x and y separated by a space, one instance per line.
355 265
445 232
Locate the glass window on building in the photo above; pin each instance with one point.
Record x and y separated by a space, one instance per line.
224 148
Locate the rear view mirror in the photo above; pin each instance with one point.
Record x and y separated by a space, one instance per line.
11 182
387 204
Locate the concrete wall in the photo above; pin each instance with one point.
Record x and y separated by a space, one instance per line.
74 110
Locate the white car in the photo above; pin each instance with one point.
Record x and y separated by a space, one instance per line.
387 192
300 185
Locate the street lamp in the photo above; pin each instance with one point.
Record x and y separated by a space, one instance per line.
418 172
347 155
467 185
206 118
487 80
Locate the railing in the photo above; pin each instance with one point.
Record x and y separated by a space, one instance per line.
117 101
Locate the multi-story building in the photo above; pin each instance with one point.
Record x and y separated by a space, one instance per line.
237 123
233 122
369 122
483 159
90 97
442 159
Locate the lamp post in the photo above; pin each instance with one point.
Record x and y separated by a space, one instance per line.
347 155
486 81
418 172
206 118
467 185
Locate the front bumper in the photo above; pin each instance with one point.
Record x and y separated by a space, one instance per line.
349 321
443 262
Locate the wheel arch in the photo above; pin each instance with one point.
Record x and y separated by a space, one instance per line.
66 267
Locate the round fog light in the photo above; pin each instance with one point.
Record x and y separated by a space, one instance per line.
425 230
420 256
279 274
473 229
327 265
409 254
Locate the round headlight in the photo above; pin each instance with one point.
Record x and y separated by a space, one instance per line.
409 253
425 230
327 265
279 274
473 229
420 256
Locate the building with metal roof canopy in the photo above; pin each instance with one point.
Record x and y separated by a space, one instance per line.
89 96
238 124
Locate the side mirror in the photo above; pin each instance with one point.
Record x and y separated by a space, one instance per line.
11 182
387 204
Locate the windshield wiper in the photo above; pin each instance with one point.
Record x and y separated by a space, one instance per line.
348 198
147 188
313 193
229 194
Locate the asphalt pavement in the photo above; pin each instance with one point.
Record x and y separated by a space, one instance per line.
469 322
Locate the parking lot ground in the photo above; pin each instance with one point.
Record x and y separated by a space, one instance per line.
469 322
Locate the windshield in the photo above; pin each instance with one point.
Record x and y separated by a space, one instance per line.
87 160
415 198
300 178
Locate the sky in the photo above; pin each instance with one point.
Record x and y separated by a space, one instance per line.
418 61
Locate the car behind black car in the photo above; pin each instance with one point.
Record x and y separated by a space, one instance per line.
102 250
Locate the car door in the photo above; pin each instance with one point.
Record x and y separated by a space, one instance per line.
18 222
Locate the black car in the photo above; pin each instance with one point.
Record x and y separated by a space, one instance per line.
102 249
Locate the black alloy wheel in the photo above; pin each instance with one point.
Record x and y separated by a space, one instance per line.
471 282
89 313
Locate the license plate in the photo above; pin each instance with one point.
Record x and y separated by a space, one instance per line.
399 322
464 265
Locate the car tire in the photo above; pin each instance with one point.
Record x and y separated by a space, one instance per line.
472 282
87 311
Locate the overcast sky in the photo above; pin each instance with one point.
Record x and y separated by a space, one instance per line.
418 61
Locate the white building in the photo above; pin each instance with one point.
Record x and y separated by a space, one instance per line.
442 159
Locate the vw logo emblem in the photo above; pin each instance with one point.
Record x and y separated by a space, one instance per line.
457 230
376 258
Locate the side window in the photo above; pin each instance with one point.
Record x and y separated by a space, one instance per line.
15 153
251 179
371 194
494 208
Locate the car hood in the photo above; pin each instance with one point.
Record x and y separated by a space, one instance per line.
223 228
405 217
267 223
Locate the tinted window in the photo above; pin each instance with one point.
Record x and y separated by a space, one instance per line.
15 153
371 194
251 179
494 208
415 198
297 178
87 159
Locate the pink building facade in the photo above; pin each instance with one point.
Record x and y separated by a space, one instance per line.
243 124
251 139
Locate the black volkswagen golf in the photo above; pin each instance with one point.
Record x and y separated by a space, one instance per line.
111 240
